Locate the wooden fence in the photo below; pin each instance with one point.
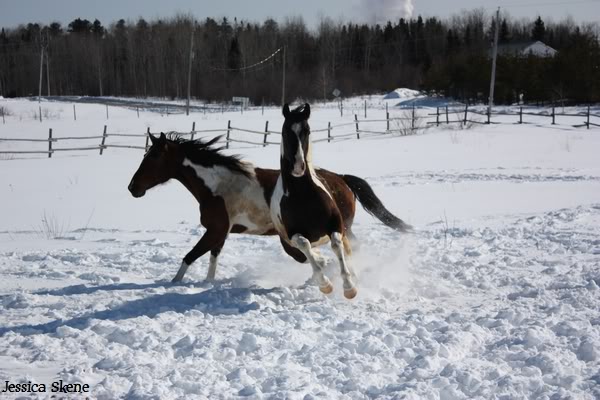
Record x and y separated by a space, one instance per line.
407 124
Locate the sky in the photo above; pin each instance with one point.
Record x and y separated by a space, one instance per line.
15 12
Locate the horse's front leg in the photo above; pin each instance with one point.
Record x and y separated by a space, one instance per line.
212 238
316 261
337 245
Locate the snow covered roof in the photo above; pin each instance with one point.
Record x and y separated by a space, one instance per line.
402 93
532 47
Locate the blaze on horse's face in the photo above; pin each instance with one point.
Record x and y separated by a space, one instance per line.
295 138
155 167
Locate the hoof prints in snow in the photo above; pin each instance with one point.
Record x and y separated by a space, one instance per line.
510 310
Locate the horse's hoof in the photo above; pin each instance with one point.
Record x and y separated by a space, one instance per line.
328 288
350 293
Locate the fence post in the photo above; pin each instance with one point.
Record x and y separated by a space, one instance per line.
387 119
521 115
2 109
413 119
40 109
489 115
137 108
104 140
193 129
228 130
74 113
341 108
365 109
328 132
147 139
437 116
266 133
356 120
50 143
466 108
553 116
107 111
447 119
588 117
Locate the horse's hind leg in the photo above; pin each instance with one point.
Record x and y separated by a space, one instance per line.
211 239
350 241
347 246
316 261
351 238
212 264
337 245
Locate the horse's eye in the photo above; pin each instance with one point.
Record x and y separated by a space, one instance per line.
152 153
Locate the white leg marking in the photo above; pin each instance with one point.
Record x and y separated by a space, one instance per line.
182 270
275 207
316 261
212 268
337 245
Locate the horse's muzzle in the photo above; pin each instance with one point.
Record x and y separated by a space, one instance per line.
136 191
299 169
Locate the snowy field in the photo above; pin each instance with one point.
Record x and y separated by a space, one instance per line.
496 296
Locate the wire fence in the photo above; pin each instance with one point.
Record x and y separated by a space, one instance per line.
409 123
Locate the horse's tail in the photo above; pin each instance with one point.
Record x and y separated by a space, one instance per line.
371 203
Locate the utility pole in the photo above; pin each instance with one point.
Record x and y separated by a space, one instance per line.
189 85
48 63
494 56
283 83
42 46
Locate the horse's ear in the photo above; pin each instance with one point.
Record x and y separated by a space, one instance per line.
153 138
286 110
306 111
163 141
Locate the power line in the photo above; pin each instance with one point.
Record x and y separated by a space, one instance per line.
245 68
553 3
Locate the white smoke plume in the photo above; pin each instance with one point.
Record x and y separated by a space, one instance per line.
381 11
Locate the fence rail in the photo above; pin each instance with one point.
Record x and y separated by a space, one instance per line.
406 124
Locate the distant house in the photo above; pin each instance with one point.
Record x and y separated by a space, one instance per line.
524 49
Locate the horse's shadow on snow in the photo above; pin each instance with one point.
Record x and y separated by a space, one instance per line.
217 300
85 289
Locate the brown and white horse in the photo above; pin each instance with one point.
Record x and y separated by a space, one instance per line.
304 210
234 195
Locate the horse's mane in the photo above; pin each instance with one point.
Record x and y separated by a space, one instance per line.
203 153
299 109
297 114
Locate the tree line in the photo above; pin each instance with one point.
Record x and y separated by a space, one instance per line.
151 58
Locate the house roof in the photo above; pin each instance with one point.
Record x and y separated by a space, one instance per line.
535 47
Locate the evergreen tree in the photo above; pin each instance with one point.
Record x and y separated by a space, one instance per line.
80 26
539 30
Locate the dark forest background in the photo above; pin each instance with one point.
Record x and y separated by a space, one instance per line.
450 57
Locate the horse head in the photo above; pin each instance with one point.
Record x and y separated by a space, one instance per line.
157 167
295 141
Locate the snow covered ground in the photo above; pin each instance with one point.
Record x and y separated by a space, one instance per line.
495 297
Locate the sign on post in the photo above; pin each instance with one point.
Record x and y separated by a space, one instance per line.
242 101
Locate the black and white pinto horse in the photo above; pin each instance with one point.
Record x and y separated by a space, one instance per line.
234 195
303 208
